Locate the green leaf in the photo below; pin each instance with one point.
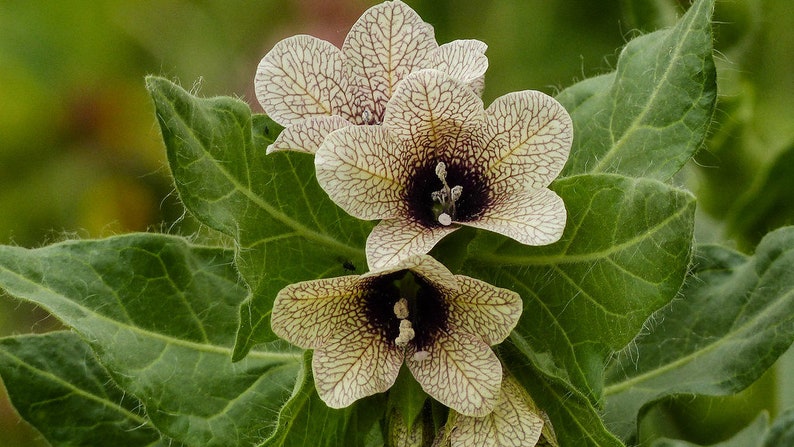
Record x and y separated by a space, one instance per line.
735 319
575 420
160 314
750 436
648 117
56 385
757 434
306 420
623 255
286 228
767 204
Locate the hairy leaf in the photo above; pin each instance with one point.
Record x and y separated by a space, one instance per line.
161 315
735 319
286 227
623 255
651 115
56 384
573 417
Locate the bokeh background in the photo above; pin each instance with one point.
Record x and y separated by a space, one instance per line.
81 156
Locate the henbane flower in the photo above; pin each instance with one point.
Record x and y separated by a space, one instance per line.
363 328
440 160
312 87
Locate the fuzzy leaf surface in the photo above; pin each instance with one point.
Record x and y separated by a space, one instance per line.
160 315
735 318
649 116
57 385
623 255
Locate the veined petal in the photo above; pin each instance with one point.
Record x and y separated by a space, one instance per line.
361 170
530 217
483 310
460 371
387 42
463 59
355 363
308 314
307 135
423 265
302 76
526 142
394 240
513 422
435 112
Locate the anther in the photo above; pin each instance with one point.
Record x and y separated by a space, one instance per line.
444 219
406 333
401 309
420 356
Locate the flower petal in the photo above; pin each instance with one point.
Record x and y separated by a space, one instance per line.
530 217
423 265
435 112
394 240
463 60
526 142
387 42
307 135
308 314
354 364
513 422
461 372
361 170
301 77
483 310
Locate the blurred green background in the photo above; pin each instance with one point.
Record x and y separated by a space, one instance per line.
80 153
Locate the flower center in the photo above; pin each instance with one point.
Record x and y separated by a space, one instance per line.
435 193
406 310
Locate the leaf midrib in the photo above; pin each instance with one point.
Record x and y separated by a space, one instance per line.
602 163
208 348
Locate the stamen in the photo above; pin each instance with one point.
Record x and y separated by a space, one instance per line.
401 308
406 333
446 196
441 172
420 356
366 115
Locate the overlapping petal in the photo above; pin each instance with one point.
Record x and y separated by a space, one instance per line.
436 114
514 422
360 168
309 313
302 77
307 135
464 60
460 371
424 266
526 142
531 217
355 363
387 42
393 240
483 310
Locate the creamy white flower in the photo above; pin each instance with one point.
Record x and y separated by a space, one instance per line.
312 87
363 328
440 160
